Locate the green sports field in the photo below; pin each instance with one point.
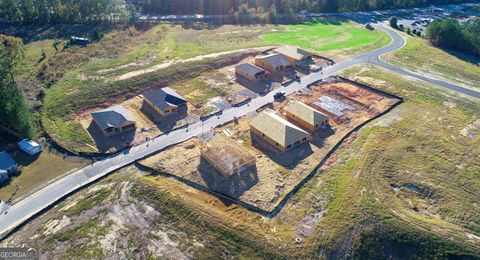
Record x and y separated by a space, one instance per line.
329 36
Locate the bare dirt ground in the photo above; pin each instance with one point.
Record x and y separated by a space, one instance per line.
107 222
169 63
276 173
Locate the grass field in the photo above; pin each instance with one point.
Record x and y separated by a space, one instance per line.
330 38
418 55
36 172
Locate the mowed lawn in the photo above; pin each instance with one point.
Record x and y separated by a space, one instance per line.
420 56
330 37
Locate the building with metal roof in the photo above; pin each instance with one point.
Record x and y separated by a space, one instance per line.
251 72
294 54
30 147
7 163
4 177
277 131
165 101
273 62
114 120
305 116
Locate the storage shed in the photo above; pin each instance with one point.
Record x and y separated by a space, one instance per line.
30 147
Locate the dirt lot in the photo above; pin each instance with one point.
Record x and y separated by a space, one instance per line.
276 173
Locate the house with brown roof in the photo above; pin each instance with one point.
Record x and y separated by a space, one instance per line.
273 63
277 131
305 116
114 120
251 72
294 54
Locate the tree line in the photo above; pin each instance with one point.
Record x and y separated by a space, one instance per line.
101 11
64 11
453 34
277 6
15 113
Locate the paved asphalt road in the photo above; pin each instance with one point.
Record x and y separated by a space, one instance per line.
25 209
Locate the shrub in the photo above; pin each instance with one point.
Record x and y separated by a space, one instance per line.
394 22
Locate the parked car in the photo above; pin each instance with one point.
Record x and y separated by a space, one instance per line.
279 95
315 68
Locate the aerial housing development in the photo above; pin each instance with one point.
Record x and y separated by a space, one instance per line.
259 130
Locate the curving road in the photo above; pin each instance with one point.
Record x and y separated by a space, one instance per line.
27 208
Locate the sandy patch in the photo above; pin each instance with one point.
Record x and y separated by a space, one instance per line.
471 130
169 63
56 225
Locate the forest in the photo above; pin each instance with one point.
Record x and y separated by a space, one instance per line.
111 11
13 106
64 11
456 35
276 6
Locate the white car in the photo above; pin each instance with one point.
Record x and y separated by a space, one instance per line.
315 68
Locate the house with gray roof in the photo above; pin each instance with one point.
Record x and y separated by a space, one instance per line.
7 163
114 120
273 62
251 72
277 131
165 101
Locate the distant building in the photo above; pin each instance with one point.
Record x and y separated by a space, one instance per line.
251 72
30 147
305 116
79 41
165 101
294 55
277 131
273 62
7 163
114 120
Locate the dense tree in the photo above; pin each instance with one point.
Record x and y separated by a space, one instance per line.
63 11
452 34
393 22
97 11
280 6
14 111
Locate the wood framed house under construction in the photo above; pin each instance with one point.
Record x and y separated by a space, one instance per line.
228 157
